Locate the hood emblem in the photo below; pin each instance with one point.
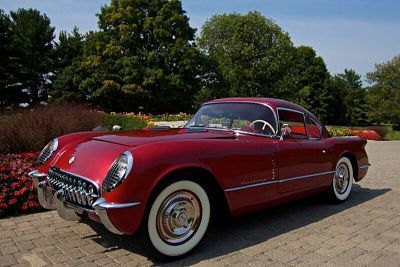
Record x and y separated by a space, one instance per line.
71 160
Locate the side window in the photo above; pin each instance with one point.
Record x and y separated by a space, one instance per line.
313 129
295 121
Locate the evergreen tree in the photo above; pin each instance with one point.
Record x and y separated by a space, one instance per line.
32 38
7 95
356 98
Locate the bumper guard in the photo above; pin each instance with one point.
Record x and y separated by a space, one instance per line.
51 199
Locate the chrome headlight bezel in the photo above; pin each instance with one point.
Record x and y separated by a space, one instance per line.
47 152
118 172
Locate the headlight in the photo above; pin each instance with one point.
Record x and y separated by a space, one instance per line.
47 151
118 171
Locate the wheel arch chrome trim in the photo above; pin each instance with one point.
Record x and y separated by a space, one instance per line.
365 166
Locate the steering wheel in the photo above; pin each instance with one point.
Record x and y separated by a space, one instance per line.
265 124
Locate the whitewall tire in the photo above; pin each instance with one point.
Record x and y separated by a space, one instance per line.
342 180
177 220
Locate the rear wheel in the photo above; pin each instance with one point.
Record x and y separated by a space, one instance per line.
342 181
176 220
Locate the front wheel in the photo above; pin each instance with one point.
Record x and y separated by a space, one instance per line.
176 221
342 181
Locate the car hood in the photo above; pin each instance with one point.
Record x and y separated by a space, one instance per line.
93 157
137 138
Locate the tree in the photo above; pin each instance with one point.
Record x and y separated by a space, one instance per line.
68 48
32 42
355 97
307 82
68 72
6 68
142 56
249 54
384 92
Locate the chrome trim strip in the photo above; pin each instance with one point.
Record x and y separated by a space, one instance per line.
255 134
107 205
278 181
36 173
101 206
305 176
128 170
250 186
365 166
289 109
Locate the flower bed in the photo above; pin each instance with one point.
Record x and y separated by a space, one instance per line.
365 134
17 192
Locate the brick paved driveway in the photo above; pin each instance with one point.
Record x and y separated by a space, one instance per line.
363 231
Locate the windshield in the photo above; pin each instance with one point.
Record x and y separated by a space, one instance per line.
245 117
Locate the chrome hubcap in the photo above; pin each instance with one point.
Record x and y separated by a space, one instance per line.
342 178
179 217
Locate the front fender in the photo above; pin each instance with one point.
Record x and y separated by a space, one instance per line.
64 142
153 162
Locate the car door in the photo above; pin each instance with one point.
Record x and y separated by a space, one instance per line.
302 154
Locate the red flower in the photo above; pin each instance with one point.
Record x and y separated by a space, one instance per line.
12 201
17 193
25 206
367 134
3 167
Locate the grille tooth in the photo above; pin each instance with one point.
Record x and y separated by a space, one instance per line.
73 194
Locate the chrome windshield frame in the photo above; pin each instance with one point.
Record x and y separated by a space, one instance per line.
239 131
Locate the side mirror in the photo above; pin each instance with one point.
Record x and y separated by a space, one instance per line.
285 130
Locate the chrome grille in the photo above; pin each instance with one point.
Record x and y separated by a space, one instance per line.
77 190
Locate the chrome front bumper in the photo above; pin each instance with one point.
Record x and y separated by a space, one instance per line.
56 199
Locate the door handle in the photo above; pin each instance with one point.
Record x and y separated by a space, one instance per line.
324 151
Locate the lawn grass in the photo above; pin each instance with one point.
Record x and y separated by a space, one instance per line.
391 134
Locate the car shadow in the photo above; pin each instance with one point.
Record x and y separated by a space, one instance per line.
246 231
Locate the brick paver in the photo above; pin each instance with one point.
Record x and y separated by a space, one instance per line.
365 230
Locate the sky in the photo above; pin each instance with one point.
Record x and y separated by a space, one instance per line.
353 34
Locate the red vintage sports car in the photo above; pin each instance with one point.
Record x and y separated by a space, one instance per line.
242 154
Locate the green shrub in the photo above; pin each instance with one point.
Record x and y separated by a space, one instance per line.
172 117
128 121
